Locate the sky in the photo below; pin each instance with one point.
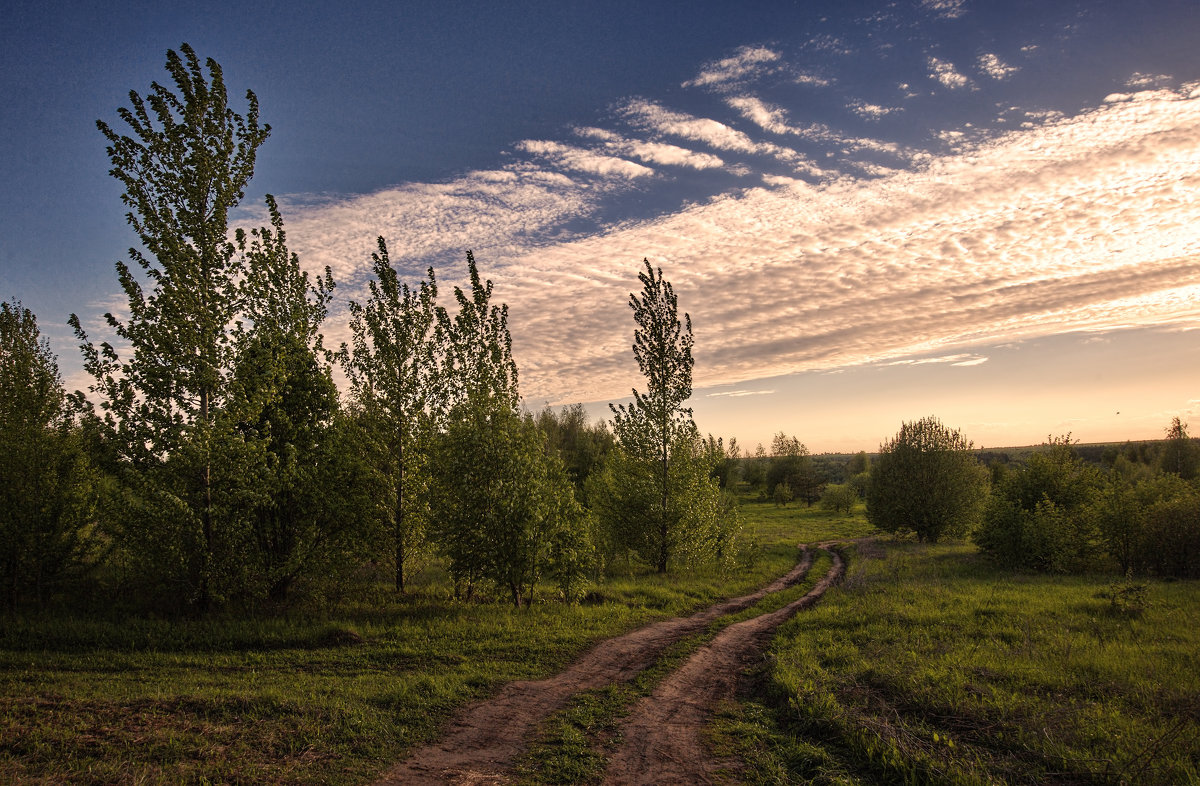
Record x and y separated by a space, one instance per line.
988 212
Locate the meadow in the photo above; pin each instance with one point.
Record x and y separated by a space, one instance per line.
925 665
328 697
930 666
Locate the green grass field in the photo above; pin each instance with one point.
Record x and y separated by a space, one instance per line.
331 700
930 666
926 665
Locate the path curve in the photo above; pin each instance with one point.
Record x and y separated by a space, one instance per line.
662 738
482 742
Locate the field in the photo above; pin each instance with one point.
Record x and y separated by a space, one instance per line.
929 666
925 665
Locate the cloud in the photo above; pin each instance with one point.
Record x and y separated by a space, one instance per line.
652 152
994 67
1083 224
1087 223
748 62
1142 81
570 157
945 9
953 360
946 74
656 118
740 393
871 111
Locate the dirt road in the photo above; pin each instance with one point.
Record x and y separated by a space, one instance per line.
663 735
481 744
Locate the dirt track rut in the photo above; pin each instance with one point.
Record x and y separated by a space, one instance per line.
480 745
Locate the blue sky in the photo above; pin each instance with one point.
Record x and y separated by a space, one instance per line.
986 211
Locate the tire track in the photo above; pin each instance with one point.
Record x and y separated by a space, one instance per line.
482 742
663 740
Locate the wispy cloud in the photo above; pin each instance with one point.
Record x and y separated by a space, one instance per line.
1081 223
656 118
740 393
747 62
946 9
570 157
652 152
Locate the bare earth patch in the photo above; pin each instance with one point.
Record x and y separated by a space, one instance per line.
481 743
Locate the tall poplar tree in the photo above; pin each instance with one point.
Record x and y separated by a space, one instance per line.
658 440
184 164
394 367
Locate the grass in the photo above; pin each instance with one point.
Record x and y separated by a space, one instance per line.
929 666
333 698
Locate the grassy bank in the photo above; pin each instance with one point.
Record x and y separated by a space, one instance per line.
329 698
929 666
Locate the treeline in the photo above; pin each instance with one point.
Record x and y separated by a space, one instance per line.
215 465
1136 512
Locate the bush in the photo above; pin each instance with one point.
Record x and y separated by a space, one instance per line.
839 498
1040 515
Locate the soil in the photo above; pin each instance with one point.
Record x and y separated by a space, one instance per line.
662 735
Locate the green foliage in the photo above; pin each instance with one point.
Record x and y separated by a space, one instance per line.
479 370
1180 454
580 445
48 487
792 465
839 498
926 481
696 526
1039 515
781 493
394 366
184 168
503 509
661 503
1170 544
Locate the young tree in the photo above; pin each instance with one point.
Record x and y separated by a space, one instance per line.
285 404
395 373
479 367
791 464
656 431
582 446
1040 516
184 167
47 486
504 507
926 481
1180 454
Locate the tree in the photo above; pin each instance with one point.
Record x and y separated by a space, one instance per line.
926 481
479 367
395 372
47 486
504 509
285 404
1039 515
626 495
580 445
1180 454
183 169
839 498
657 425
791 464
